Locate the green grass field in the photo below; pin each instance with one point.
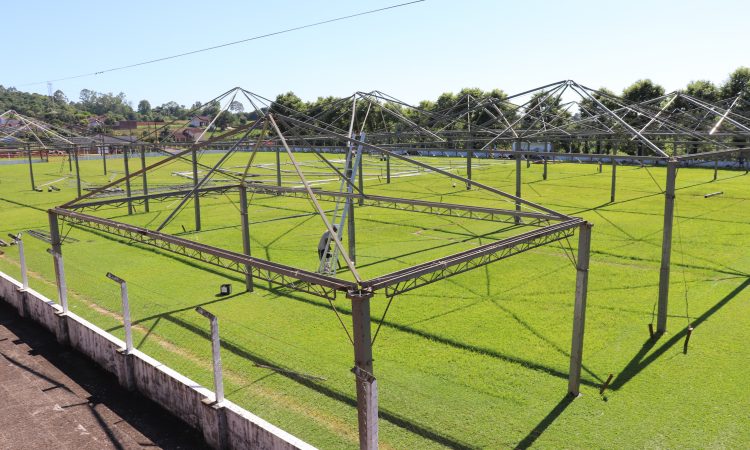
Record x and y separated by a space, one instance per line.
479 360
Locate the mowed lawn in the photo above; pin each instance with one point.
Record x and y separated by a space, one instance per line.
479 360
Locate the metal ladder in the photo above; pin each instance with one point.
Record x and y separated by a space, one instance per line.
329 265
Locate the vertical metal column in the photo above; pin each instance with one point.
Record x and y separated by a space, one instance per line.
360 174
716 168
78 170
469 155
351 232
31 167
145 177
125 311
614 180
544 173
367 388
579 313
196 194
278 166
245 236
215 353
57 259
126 162
388 169
70 162
518 184
104 159
666 247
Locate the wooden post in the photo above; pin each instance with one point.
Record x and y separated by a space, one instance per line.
196 194
367 388
31 167
245 236
614 180
579 314
145 177
57 260
666 247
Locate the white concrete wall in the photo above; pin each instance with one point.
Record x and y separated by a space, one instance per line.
225 426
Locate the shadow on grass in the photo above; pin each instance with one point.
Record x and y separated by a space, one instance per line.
640 361
542 426
395 419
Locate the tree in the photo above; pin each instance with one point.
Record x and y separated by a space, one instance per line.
236 106
642 90
144 107
738 82
59 97
703 90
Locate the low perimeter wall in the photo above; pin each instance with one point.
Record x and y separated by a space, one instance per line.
223 426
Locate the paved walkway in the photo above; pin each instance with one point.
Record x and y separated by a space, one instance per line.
54 398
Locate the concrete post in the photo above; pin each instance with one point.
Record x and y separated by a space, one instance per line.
125 311
145 177
22 256
666 246
215 353
57 259
614 180
196 194
367 388
31 167
126 162
245 237
579 313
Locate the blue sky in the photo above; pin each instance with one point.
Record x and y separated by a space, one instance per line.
413 53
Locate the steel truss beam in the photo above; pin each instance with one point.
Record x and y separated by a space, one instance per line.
274 273
140 199
421 206
423 274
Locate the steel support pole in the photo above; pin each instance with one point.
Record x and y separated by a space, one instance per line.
126 162
104 160
469 155
196 194
351 232
614 180
145 177
31 167
579 313
22 256
666 246
278 166
70 161
716 169
245 237
78 170
388 169
215 353
361 177
518 185
125 311
57 259
367 388
544 173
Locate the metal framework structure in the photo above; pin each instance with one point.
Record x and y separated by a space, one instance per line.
655 130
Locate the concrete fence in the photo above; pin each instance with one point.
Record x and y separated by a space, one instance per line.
224 425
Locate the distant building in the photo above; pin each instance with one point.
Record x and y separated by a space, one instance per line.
126 125
533 147
200 121
95 121
187 134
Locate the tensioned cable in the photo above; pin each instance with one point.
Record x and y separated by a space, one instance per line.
254 38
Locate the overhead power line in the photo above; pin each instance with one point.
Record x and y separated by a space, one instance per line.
254 38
